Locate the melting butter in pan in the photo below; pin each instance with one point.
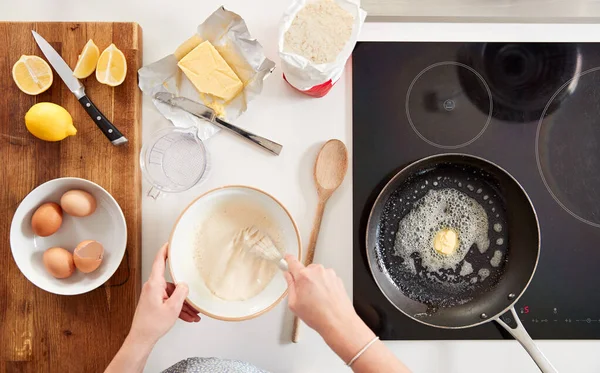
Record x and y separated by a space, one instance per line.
425 230
445 241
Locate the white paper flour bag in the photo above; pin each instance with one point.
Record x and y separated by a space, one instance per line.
327 55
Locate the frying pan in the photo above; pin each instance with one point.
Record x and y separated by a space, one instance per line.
487 288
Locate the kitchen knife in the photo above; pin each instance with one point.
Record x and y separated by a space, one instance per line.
66 74
204 112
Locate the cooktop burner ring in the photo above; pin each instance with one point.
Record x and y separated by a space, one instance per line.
570 185
439 108
521 76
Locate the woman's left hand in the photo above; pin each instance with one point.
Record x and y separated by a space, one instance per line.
160 304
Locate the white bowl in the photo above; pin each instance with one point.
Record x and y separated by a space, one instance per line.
183 267
106 225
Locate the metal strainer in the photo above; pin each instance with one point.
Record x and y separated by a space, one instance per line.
174 160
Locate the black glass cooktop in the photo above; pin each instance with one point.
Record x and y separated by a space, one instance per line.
534 109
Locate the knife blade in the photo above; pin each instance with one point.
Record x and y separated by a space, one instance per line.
204 112
66 74
192 107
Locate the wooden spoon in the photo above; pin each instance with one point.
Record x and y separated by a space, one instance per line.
330 169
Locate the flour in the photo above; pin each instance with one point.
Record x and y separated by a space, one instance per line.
319 31
229 269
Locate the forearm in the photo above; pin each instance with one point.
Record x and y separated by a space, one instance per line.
347 339
131 357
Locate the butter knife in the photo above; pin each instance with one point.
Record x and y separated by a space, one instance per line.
66 74
204 112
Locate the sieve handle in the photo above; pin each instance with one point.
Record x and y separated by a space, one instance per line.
153 193
518 331
266 144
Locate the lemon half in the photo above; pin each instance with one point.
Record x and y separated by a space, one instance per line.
32 75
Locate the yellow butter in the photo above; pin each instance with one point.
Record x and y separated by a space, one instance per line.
187 46
209 72
445 241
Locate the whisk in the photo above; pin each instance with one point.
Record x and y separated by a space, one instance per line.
261 245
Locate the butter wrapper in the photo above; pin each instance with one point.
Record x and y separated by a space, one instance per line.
228 33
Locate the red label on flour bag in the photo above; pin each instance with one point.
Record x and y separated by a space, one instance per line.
316 39
316 91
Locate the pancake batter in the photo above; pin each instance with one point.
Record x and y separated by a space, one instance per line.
229 269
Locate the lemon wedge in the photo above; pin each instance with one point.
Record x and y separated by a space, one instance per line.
86 63
112 67
32 75
49 122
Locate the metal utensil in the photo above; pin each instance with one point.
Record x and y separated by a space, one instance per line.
66 74
208 114
262 246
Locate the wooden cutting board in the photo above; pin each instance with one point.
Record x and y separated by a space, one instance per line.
39 331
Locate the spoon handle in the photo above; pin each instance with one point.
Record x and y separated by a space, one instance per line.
314 234
296 330
310 255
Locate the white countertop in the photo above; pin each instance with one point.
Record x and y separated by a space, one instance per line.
301 124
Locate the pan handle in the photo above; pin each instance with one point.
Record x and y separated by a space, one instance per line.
517 330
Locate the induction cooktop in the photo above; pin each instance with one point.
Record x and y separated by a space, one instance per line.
531 108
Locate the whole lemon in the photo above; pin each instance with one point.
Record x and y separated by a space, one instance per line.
49 122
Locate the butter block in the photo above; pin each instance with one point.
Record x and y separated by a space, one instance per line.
209 72
187 46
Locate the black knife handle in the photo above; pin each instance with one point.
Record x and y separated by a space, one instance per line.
108 129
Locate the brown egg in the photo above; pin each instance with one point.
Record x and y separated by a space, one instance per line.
88 256
78 203
46 219
59 262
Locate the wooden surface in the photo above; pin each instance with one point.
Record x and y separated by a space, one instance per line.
39 331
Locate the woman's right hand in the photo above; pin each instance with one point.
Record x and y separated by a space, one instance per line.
317 296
